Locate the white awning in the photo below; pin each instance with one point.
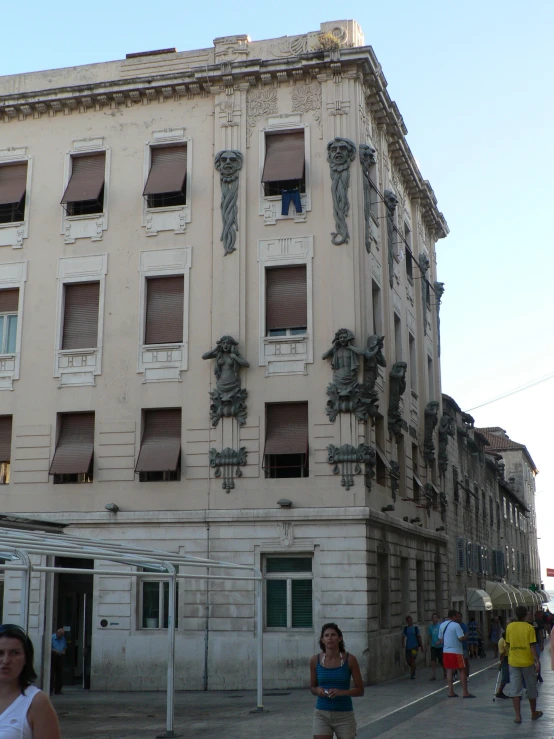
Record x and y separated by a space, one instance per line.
478 600
501 596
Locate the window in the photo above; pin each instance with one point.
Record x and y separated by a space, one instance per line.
460 554
159 458
164 310
491 510
84 194
286 440
507 563
154 603
397 338
9 306
13 184
166 183
376 305
420 584
5 449
430 377
510 513
73 458
384 590
80 316
286 297
409 258
288 593
284 164
413 363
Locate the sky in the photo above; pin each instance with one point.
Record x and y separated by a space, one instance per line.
473 81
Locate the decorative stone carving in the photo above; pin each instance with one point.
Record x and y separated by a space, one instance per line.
431 420
446 429
289 46
396 391
229 163
346 394
227 465
306 98
429 496
373 359
443 502
391 201
348 460
340 155
228 397
455 484
368 157
394 477
259 103
439 292
424 265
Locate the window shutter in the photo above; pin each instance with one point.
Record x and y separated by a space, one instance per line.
284 156
9 301
80 323
164 310
460 553
13 182
161 441
75 444
168 169
5 438
301 593
469 558
286 297
87 178
477 565
286 428
276 611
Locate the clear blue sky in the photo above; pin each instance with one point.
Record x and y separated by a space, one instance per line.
473 81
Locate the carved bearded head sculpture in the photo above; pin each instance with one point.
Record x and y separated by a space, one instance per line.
368 155
228 163
340 153
391 201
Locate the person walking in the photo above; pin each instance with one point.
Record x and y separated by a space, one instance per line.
495 634
59 646
411 644
25 711
452 638
523 660
331 673
436 646
474 635
504 668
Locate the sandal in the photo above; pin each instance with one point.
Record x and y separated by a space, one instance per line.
517 721
537 715
432 678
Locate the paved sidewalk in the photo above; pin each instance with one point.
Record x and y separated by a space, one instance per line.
418 708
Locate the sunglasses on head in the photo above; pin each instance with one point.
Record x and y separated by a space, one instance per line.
12 627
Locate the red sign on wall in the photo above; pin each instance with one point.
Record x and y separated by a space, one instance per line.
549 573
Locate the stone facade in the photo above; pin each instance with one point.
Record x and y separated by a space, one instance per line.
368 513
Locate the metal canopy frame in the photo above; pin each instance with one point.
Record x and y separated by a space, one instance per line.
18 545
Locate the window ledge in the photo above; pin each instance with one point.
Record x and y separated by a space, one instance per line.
85 217
70 352
166 208
8 356
162 347
285 630
12 224
285 339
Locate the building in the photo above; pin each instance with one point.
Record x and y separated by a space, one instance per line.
255 208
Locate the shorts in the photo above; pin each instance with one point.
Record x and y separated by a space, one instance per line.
411 654
436 655
516 681
341 723
453 661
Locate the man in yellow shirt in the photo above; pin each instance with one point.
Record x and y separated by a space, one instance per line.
523 660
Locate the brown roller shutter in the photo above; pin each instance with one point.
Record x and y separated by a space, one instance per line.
80 323
87 178
9 301
286 297
5 438
13 182
164 310
161 441
168 170
286 428
284 156
75 444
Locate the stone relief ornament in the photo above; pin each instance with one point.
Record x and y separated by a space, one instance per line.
391 201
439 292
394 477
259 103
431 420
289 46
340 155
346 394
424 265
373 359
347 460
228 397
227 465
306 98
443 502
397 388
446 429
368 157
229 163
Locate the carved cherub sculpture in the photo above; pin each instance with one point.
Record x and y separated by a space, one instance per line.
228 398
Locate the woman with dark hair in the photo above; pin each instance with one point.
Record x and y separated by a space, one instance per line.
25 711
331 672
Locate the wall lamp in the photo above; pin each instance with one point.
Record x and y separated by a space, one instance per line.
386 508
112 507
284 503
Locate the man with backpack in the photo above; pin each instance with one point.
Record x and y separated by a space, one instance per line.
411 643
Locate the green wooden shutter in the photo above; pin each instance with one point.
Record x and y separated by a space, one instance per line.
276 606
302 604
289 564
